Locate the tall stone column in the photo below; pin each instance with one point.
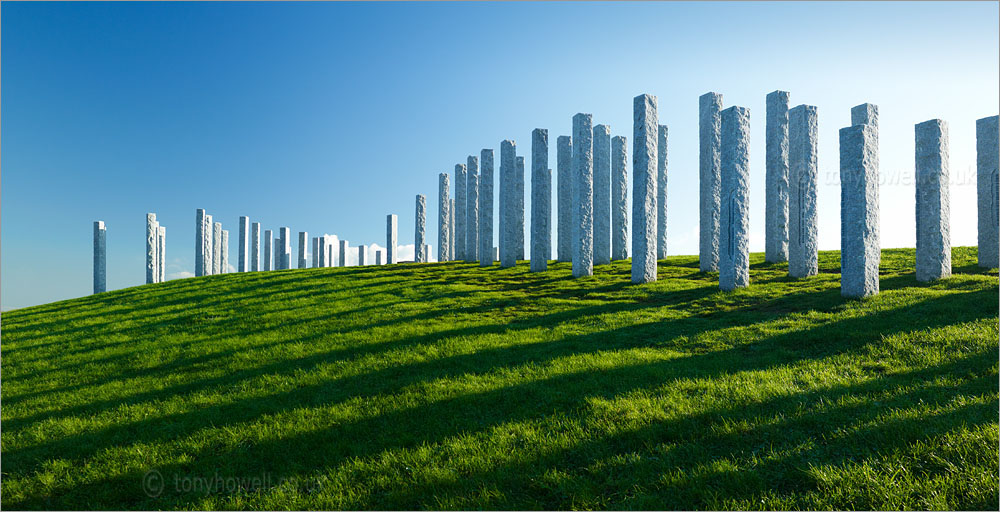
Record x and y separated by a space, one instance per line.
661 192
734 233
325 254
303 246
564 223
799 193
472 210
860 252
100 257
710 184
344 248
362 255
276 263
244 239
217 248
619 198
486 208
152 240
286 248
315 252
933 204
508 171
602 194
391 224
255 247
419 242
451 246
776 191
209 245
461 191
161 253
268 259
541 198
518 201
988 190
583 193
866 113
224 265
199 242
444 217
378 257
644 162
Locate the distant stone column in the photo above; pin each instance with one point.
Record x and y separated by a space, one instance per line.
564 215
486 208
988 190
324 259
286 248
391 224
378 257
255 247
860 252
472 212
619 198
461 191
268 260
518 201
776 191
344 247
199 242
799 195
303 246
933 202
710 184
100 257
734 234
217 248
161 252
209 245
224 265
602 194
276 263
152 236
362 255
508 171
541 201
419 242
661 192
583 193
444 217
244 240
451 246
315 252
644 162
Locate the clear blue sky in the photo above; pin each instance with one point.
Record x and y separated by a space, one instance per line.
325 117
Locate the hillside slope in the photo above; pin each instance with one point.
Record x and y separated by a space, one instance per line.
450 386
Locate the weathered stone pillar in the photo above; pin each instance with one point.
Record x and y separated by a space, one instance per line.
461 193
933 204
583 193
100 257
486 208
860 252
799 194
988 190
378 257
602 194
734 233
325 253
451 246
866 113
518 202
276 258
315 252
661 192
508 172
255 247
362 255
244 241
391 222
286 248
444 217
472 212
644 162
344 248
152 240
564 224
303 246
710 184
541 198
217 248
161 253
419 242
199 242
619 198
268 259
209 245
224 253
776 192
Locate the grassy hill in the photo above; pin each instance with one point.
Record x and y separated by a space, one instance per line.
450 386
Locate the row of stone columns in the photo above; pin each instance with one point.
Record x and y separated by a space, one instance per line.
156 240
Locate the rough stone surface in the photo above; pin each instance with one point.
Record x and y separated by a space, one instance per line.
619 198
661 192
100 257
315 252
710 184
644 158
988 190
286 248
472 209
224 265
734 234
323 247
541 201
391 228
244 256
451 246
418 236
303 249
255 247
518 202
800 190
933 204
860 252
776 192
362 255
602 194
217 248
152 241
378 257
461 191
199 242
344 247
161 254
486 208
865 113
444 217
268 251
276 257
508 170
583 193
564 214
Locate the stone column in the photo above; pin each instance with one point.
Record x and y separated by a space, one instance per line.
451 246
472 210
276 263
461 190
419 241
798 192
199 242
444 217
303 245
988 190
391 222
518 202
734 232
152 236
486 208
344 247
564 224
661 192
583 193
860 252
644 162
933 205
268 260
314 255
378 257
619 198
286 248
244 239
362 255
865 113
209 245
100 257
508 171
255 247
224 264
541 197
217 248
161 252
323 247
602 194
710 185
776 192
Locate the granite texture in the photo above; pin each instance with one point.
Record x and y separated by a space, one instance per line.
564 214
444 217
619 198
860 252
244 257
517 201
161 254
644 158
661 192
224 265
303 249
100 257
801 187
472 210
451 246
286 248
776 192
541 201
932 200
508 170
486 208
734 233
362 255
342 256
152 241
709 180
391 241
602 194
315 252
255 247
268 250
583 194
199 242
419 240
216 248
461 191
988 190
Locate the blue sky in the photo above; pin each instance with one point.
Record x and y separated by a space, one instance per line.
325 117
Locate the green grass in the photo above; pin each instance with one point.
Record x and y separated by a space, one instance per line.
450 386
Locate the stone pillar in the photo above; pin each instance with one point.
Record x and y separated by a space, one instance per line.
644 162
391 222
344 247
541 198
710 185
100 257
583 193
472 210
323 248
199 242
798 192
860 252
217 248
378 257
362 255
255 247
161 252
602 194
988 190
508 171
314 255
285 248
461 191
451 246
224 264
303 246
518 202
866 113
486 208
564 223
419 242
776 192
152 237
268 260
619 198
276 263
244 239
734 232
444 217
661 192
933 205
209 245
